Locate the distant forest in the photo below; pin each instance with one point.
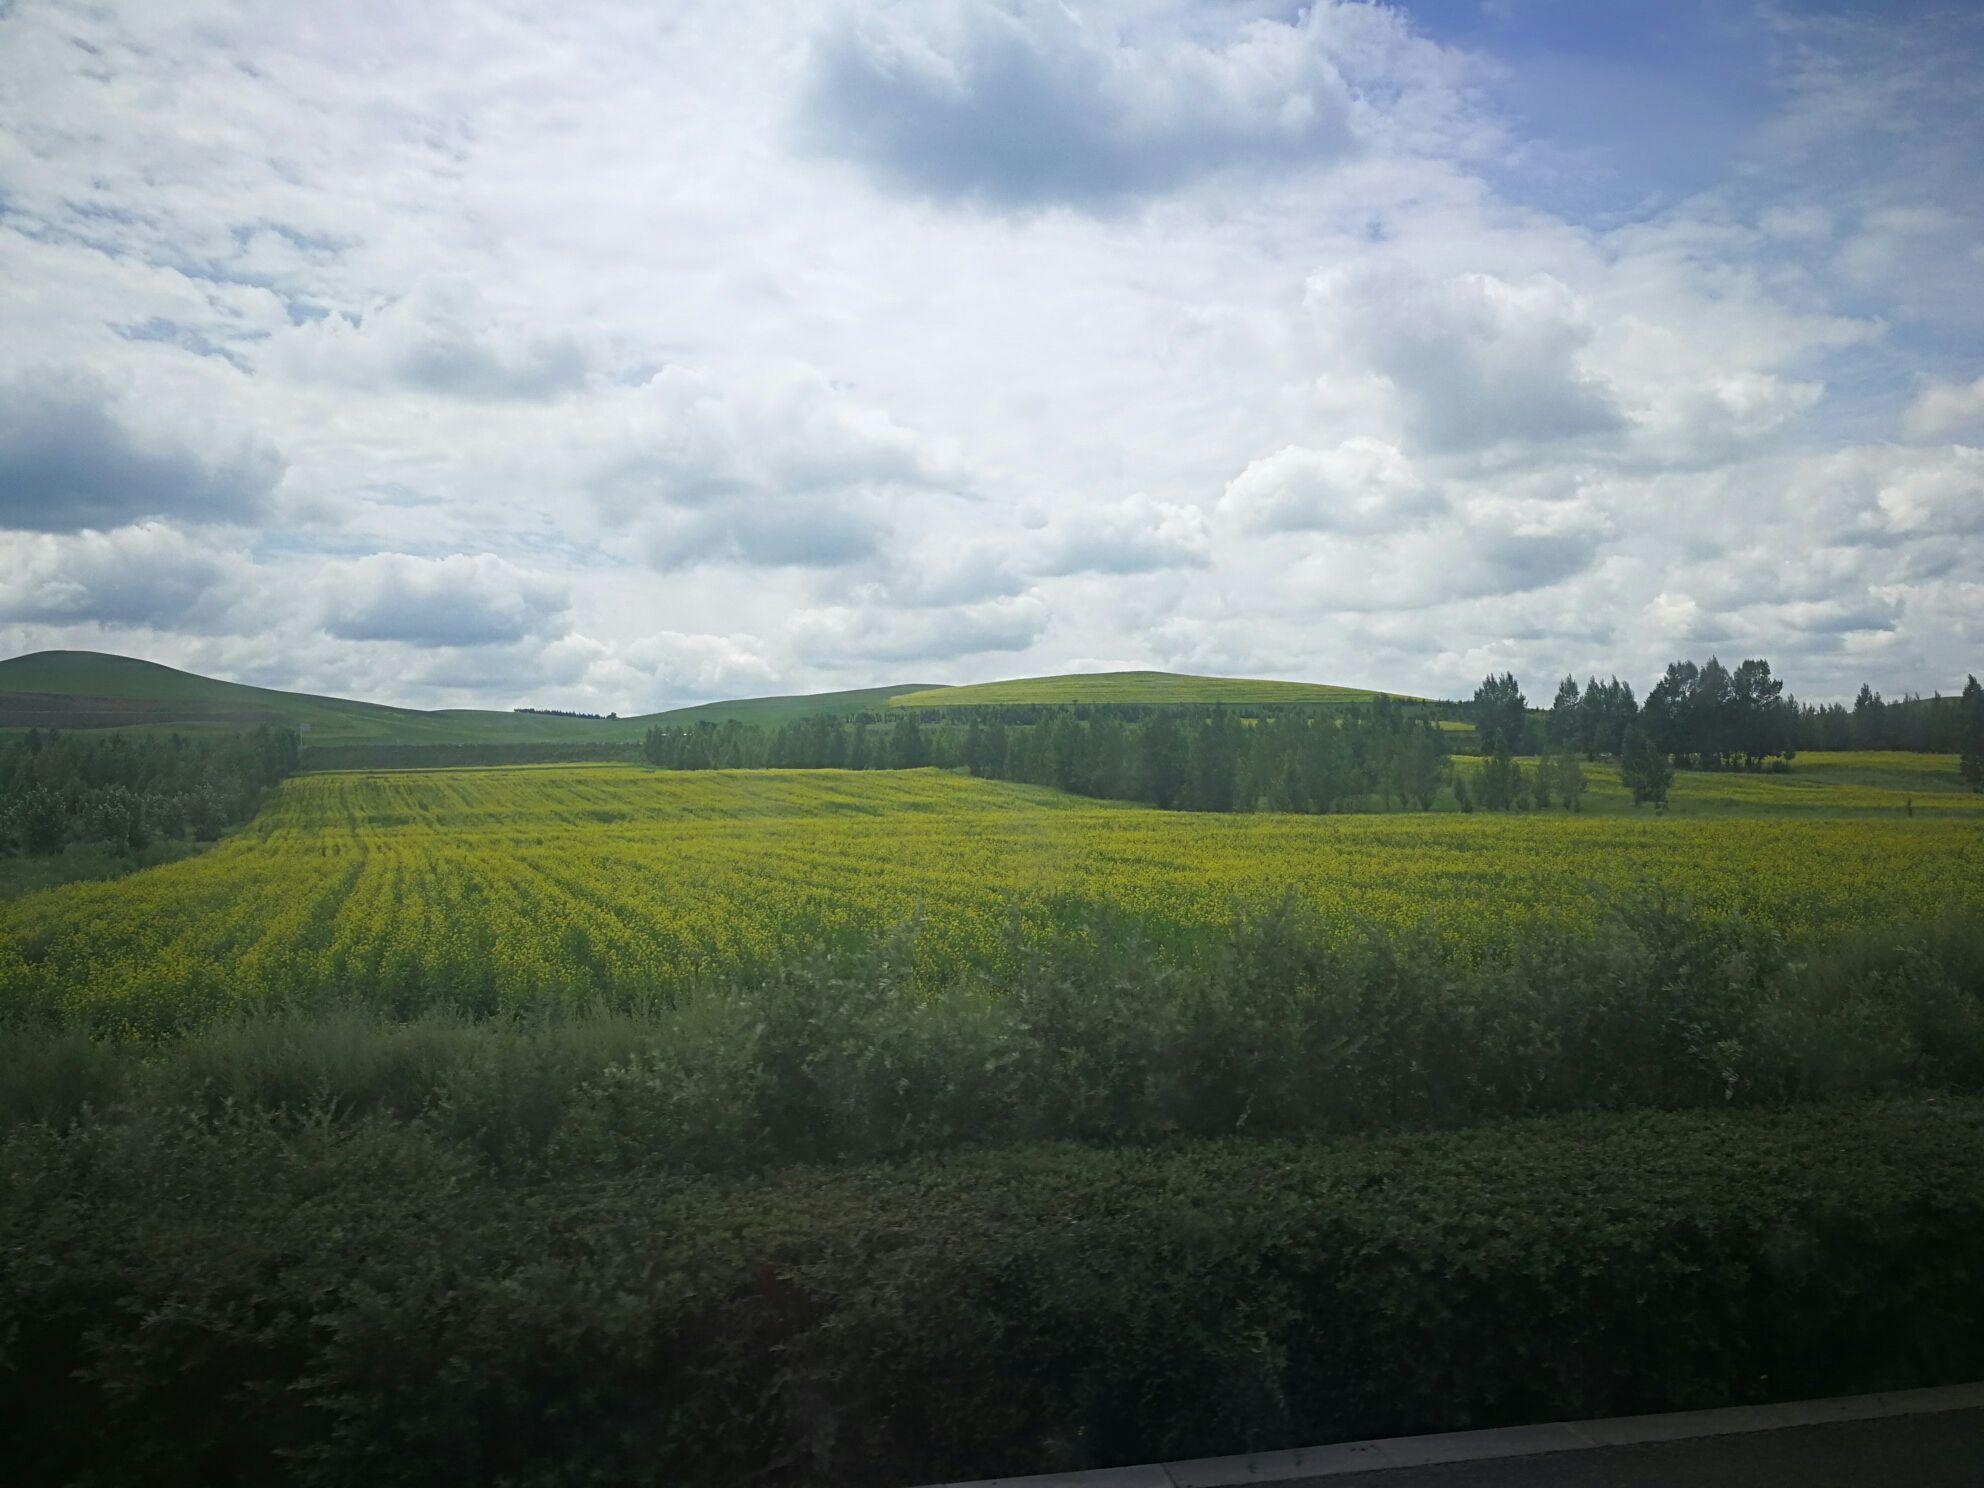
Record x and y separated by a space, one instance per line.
1290 757
128 791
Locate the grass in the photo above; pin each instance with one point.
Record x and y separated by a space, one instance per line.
1135 687
85 863
1839 785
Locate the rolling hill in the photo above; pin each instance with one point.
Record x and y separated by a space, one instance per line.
1136 687
89 689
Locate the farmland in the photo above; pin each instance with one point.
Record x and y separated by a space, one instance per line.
508 888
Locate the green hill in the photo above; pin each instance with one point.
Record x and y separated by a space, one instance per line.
1136 687
88 689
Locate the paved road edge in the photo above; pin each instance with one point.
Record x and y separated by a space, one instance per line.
1344 1459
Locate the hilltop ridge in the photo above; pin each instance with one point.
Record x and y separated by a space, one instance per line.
94 689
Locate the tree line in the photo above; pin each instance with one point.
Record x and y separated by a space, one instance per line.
127 791
1381 755
1178 758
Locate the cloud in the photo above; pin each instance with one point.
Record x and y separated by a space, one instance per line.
145 575
439 337
1476 360
1945 408
848 634
1885 495
1362 485
460 600
70 459
765 532
1133 536
1033 105
783 470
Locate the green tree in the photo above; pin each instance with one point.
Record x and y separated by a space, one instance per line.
1566 722
1501 779
1970 734
1161 755
1570 781
1645 769
907 750
1501 714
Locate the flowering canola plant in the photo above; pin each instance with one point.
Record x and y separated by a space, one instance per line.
489 889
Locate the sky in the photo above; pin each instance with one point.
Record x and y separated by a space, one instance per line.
619 356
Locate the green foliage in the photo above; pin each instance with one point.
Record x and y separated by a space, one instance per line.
1284 1026
1133 687
1501 717
239 1300
1970 763
1644 769
125 793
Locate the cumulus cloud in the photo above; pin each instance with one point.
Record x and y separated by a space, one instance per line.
71 458
788 470
1945 408
1883 495
1027 106
147 575
440 337
1361 485
842 634
765 532
1132 536
1476 360
460 600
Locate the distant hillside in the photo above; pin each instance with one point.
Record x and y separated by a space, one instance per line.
1135 687
89 689
773 711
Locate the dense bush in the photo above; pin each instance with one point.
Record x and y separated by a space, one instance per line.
200 1301
128 791
1280 1029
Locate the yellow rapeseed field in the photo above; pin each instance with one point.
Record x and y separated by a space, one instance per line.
504 887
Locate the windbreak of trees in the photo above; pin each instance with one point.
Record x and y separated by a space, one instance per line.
1384 754
1177 758
1922 725
1708 716
127 792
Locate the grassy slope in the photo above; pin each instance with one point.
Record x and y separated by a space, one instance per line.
90 689
1134 687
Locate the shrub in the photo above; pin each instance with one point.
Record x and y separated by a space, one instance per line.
244 1301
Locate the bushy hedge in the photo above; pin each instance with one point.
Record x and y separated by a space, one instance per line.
1283 1029
201 1301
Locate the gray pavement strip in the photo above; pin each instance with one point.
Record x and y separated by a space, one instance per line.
1346 1458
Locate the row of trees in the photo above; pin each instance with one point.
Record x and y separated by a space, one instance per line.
1708 716
1188 759
127 792
1385 755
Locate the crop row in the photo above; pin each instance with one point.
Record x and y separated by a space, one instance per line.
487 889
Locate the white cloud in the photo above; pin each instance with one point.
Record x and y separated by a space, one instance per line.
440 337
1362 485
1034 104
1255 343
458 600
1477 361
145 575
839 635
1132 536
1945 408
